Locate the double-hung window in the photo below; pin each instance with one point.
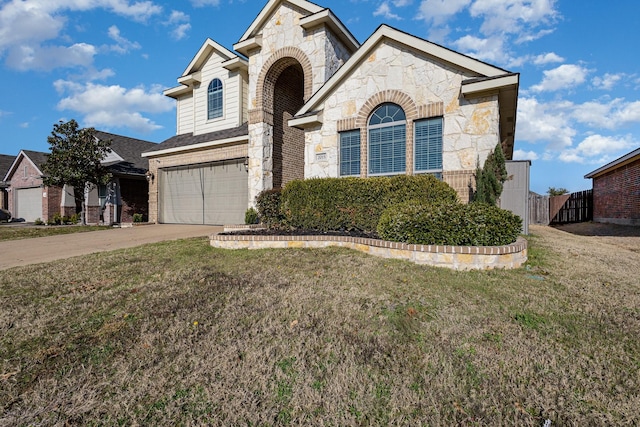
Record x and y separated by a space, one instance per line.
214 99
428 146
350 153
387 140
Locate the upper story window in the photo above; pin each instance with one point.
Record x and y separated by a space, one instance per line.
214 99
387 140
350 152
428 146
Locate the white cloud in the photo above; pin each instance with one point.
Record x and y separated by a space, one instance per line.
606 82
547 58
525 155
202 3
114 106
181 22
489 49
436 13
547 123
122 44
180 31
27 26
401 3
565 76
50 57
384 10
609 115
597 149
512 16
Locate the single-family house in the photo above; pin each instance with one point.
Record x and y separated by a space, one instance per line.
5 163
299 97
126 194
616 190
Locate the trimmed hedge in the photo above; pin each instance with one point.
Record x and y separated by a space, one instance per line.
269 210
455 224
355 204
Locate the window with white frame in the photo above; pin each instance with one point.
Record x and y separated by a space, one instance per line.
214 99
350 153
428 146
387 140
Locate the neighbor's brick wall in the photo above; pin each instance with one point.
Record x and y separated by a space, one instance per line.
616 195
288 142
24 176
51 203
134 196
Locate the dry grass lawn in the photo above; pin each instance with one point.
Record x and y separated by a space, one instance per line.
16 232
179 333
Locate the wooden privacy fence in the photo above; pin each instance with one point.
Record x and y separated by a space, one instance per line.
568 208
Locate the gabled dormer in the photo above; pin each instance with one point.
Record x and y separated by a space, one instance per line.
212 94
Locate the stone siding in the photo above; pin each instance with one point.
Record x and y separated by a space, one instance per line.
616 195
423 88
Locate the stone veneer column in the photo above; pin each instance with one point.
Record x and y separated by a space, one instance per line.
260 159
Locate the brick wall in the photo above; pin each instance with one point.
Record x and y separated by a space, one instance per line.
51 203
134 195
288 142
24 176
616 195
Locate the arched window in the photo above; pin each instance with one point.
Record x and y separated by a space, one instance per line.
387 140
214 99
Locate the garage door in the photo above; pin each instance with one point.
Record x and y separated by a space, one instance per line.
213 193
28 204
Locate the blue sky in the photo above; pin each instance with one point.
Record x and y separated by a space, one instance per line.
105 63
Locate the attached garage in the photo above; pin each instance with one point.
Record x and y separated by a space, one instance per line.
213 193
28 202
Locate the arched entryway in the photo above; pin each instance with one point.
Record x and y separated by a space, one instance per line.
288 142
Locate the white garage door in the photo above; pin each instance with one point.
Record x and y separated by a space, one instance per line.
212 193
28 204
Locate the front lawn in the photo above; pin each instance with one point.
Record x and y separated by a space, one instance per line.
15 232
179 333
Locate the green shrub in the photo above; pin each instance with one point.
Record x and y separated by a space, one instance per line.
55 220
268 203
251 216
330 204
137 217
475 224
38 221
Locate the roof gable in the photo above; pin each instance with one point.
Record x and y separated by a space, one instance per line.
385 32
269 9
36 158
207 48
128 151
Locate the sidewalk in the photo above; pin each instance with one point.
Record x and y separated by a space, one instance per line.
14 253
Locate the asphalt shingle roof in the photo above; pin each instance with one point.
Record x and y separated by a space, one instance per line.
130 149
5 163
187 139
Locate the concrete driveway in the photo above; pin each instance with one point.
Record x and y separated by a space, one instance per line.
14 253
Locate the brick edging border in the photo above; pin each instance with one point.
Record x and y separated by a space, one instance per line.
455 257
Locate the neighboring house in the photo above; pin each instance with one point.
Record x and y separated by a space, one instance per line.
126 194
303 98
5 163
616 190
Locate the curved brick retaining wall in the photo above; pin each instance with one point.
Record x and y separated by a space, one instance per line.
455 257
